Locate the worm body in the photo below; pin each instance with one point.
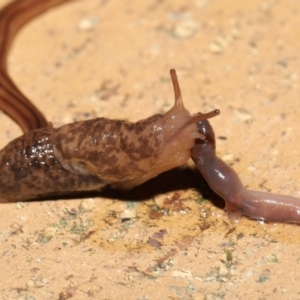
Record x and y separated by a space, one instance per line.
87 155
225 182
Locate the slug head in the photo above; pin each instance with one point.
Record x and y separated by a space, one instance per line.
178 121
179 132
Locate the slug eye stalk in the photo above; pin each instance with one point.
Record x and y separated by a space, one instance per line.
179 102
179 105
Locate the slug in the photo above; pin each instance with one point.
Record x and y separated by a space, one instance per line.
224 181
88 155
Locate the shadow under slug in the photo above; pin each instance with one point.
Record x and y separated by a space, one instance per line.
177 179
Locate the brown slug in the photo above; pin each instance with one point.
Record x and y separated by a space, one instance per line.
224 181
88 155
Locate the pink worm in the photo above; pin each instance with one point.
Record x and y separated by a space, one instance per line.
225 182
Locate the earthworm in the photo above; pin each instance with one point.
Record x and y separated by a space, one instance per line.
225 182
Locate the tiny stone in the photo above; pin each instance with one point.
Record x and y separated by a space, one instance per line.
186 28
88 24
30 283
251 169
50 231
39 283
19 205
228 159
182 274
87 204
201 3
160 200
128 213
243 115
294 76
223 270
216 48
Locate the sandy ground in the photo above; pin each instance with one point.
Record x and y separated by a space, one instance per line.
112 58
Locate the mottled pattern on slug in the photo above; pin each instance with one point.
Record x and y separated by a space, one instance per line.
112 149
81 156
30 170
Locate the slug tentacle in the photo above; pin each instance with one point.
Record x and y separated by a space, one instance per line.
225 182
179 104
176 87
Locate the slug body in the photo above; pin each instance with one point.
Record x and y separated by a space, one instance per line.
88 155
225 182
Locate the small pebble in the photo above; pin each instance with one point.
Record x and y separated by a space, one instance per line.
186 28
216 48
243 115
87 204
88 24
30 283
228 159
